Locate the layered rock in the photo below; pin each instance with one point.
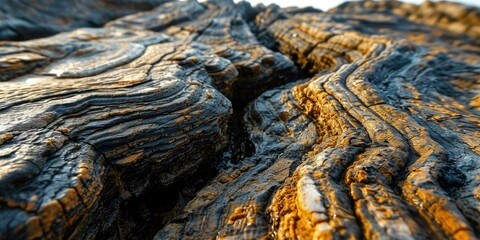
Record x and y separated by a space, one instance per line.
233 204
397 148
222 25
103 118
102 128
451 16
24 19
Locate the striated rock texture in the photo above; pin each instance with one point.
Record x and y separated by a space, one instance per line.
396 148
103 118
28 19
223 26
375 132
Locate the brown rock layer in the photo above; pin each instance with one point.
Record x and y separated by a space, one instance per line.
381 140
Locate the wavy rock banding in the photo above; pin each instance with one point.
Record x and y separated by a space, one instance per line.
25 19
110 116
359 122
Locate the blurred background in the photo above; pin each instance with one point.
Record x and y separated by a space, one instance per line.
327 4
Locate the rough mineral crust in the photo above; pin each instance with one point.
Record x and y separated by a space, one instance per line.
376 134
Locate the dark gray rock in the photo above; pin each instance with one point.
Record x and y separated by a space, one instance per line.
25 19
113 132
108 117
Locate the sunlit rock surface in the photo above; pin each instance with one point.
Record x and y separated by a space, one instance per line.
108 117
361 122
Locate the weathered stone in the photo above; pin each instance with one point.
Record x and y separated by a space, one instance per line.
392 119
376 137
25 19
219 24
108 117
383 157
234 204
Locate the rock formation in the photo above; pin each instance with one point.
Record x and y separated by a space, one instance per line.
26 19
220 120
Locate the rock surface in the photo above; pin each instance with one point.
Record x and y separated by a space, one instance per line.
26 19
103 118
223 26
376 135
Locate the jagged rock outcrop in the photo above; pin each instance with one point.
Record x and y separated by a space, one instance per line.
375 135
